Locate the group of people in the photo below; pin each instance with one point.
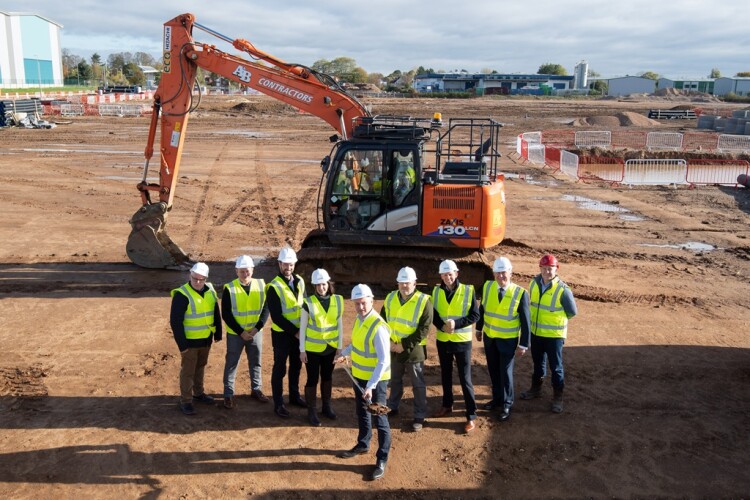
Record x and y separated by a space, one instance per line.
308 328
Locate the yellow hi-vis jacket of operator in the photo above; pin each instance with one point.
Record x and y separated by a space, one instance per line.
364 355
291 304
458 307
323 326
246 307
501 319
404 319
548 318
199 316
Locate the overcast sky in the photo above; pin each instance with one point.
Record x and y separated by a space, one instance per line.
676 39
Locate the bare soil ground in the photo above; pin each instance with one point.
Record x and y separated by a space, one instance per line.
657 362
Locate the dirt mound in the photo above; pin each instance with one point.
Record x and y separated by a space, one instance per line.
263 107
623 119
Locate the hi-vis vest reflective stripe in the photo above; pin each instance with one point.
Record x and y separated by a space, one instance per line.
199 315
291 305
458 308
246 307
323 326
404 319
501 319
364 356
548 317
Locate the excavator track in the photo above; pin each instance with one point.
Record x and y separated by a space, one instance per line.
378 265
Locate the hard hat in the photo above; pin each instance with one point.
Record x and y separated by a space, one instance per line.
200 268
548 260
502 264
244 262
320 276
361 291
406 275
448 266
287 256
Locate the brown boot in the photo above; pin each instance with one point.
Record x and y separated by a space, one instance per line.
534 391
326 388
312 410
557 401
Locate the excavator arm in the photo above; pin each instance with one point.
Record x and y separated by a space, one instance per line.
310 91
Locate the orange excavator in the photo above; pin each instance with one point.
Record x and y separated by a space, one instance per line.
395 190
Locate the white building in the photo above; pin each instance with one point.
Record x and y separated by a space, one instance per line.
29 51
736 85
630 85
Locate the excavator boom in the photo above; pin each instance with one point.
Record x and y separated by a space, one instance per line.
310 91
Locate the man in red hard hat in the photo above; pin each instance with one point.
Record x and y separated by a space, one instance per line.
552 305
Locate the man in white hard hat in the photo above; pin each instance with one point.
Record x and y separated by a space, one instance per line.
371 368
456 309
243 306
505 326
285 294
409 315
196 322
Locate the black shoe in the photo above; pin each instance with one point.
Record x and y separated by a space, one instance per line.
393 413
490 406
187 408
353 452
379 470
504 415
282 411
204 398
298 401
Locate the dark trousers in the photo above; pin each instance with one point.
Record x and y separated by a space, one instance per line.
366 420
544 349
320 365
500 360
446 354
285 346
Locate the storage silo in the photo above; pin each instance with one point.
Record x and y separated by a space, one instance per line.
581 75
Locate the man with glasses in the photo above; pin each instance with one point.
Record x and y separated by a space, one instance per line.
196 322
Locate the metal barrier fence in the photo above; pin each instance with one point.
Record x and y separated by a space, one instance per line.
733 143
71 109
639 171
664 140
655 172
591 138
721 172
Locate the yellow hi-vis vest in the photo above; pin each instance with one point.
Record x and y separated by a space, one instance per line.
199 315
458 307
291 304
548 317
246 307
323 326
404 319
364 355
501 319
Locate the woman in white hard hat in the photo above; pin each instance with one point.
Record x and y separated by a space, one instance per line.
320 341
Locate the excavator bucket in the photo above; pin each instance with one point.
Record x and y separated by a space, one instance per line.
149 245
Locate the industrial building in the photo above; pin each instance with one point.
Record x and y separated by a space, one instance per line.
626 85
492 83
705 86
30 51
736 85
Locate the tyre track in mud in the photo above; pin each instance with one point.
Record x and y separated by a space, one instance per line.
205 208
264 198
306 202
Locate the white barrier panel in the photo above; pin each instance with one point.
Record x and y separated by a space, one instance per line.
71 109
132 110
734 143
593 138
655 172
723 172
569 164
532 137
110 110
519 140
536 153
664 140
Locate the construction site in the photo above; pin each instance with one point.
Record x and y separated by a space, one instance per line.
657 359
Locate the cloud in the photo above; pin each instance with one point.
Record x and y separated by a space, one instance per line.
674 39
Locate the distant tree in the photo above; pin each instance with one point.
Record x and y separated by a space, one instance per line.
593 74
599 87
551 69
715 73
143 59
322 65
84 70
70 63
96 59
375 78
650 75
421 70
487 71
133 74
743 74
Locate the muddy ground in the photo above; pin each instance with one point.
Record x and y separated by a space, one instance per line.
657 361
